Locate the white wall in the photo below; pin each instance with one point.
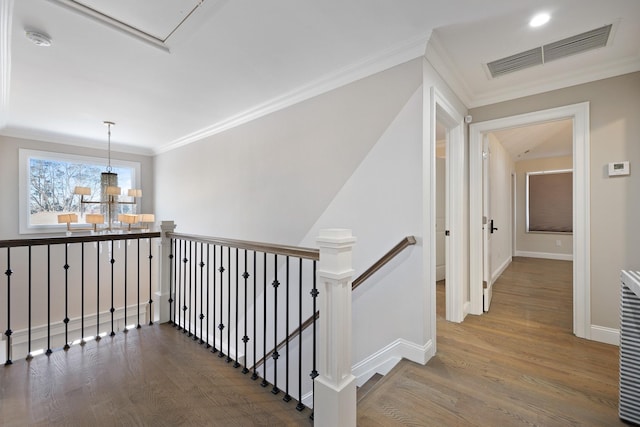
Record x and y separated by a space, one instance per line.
500 170
540 245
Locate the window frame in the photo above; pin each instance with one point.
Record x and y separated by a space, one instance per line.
24 190
527 198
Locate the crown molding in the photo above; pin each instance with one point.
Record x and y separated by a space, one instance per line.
437 56
410 49
571 78
56 138
6 17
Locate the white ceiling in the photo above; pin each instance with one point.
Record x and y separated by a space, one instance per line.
207 65
551 139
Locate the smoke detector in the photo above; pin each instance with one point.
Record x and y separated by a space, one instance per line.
38 39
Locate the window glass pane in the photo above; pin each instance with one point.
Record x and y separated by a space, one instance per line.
550 202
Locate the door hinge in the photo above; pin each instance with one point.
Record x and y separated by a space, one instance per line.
447 232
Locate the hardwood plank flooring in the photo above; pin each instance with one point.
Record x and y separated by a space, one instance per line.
518 365
154 376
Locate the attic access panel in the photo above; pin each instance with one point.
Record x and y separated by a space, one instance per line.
156 20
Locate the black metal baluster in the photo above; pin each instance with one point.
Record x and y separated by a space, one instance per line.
245 337
287 396
229 304
264 382
202 264
98 246
82 341
29 357
112 309
184 290
126 255
214 349
300 406
138 326
172 293
66 296
179 302
275 355
254 376
190 297
150 282
314 372
48 352
221 324
208 296
236 364
8 332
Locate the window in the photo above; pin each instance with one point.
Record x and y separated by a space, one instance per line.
48 180
550 201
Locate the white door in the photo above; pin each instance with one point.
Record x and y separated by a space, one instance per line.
487 226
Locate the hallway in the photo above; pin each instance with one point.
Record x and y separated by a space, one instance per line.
519 364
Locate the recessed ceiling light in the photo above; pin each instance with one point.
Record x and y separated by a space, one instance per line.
539 20
38 39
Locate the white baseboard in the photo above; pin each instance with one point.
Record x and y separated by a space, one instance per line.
605 335
501 269
545 255
382 361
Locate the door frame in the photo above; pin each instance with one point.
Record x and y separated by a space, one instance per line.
456 263
579 113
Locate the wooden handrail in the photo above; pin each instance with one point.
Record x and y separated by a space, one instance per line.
76 239
294 251
403 244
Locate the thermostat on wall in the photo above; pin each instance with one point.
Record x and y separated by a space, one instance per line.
618 168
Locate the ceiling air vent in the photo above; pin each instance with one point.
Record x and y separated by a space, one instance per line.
515 62
560 49
577 44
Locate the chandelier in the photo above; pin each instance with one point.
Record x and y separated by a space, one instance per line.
110 203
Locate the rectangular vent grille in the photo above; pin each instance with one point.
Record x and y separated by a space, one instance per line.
629 398
550 52
516 62
577 44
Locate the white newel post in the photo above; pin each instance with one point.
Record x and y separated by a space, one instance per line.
335 387
162 295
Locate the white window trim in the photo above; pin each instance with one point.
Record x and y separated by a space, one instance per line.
23 183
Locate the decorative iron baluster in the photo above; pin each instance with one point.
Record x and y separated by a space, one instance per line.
221 324
185 299
126 255
29 356
8 332
194 300
112 309
264 382
245 337
49 351
98 246
150 282
202 264
179 298
286 397
172 286
66 296
190 297
138 326
229 304
300 406
208 315
254 376
314 372
214 349
82 341
236 364
275 355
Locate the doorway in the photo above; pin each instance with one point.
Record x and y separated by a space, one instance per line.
579 114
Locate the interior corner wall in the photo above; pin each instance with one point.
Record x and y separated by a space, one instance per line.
9 172
500 170
270 179
614 201
543 244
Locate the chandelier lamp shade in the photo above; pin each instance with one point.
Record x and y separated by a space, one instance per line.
110 204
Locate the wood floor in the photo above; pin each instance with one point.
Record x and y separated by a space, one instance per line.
518 365
154 376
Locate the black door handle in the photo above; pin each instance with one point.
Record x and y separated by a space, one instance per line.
492 229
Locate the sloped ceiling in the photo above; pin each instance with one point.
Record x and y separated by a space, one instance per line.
226 62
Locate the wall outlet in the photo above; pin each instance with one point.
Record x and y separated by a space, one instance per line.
558 242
